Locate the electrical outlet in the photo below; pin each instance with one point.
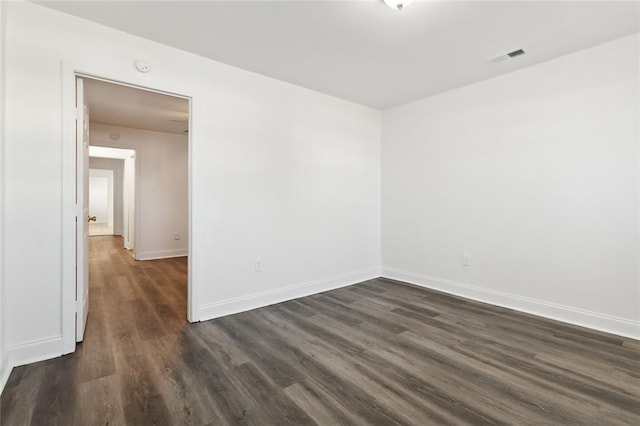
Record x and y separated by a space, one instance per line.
176 236
258 265
466 259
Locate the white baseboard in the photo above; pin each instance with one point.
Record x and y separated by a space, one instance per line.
259 300
29 352
162 254
568 314
35 351
5 372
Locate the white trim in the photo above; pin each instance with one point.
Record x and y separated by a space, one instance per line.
162 254
68 323
193 294
69 73
266 298
34 351
607 323
5 372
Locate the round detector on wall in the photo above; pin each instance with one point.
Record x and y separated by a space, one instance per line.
143 66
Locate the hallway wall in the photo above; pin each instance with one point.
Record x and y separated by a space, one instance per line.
162 187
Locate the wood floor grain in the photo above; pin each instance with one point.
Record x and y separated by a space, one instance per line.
377 353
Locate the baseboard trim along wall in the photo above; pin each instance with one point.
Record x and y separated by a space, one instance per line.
30 352
5 371
259 300
162 254
554 311
35 351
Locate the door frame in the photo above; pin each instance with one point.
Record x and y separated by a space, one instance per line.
70 71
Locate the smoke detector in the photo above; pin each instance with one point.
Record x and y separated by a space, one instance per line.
397 4
142 66
505 56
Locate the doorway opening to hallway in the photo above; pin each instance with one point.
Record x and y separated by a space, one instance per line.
132 177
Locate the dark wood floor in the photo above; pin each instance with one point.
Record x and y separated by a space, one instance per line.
376 353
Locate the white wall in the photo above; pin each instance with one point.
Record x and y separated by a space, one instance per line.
535 175
99 203
279 172
4 368
162 182
117 166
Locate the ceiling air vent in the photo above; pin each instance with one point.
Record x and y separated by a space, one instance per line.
505 56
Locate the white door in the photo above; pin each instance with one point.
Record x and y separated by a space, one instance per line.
82 206
101 201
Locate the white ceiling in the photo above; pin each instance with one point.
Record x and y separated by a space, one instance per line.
364 51
125 106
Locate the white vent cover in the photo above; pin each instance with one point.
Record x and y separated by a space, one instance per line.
505 56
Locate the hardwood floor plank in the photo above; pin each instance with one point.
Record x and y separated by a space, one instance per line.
175 382
95 357
366 341
275 407
321 365
16 408
393 403
319 303
313 400
102 395
55 403
259 351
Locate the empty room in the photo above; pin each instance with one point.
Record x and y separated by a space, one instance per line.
391 212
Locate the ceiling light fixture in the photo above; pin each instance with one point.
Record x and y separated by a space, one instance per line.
397 4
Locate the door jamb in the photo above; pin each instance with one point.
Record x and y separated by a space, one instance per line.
69 209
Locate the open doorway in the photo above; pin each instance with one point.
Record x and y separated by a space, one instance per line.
133 181
118 165
101 201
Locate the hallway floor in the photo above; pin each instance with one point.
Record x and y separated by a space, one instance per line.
376 353
96 229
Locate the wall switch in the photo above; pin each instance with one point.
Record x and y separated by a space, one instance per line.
176 236
466 259
258 265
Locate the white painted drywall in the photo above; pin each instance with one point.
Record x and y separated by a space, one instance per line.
279 172
4 366
535 175
99 203
117 166
162 181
